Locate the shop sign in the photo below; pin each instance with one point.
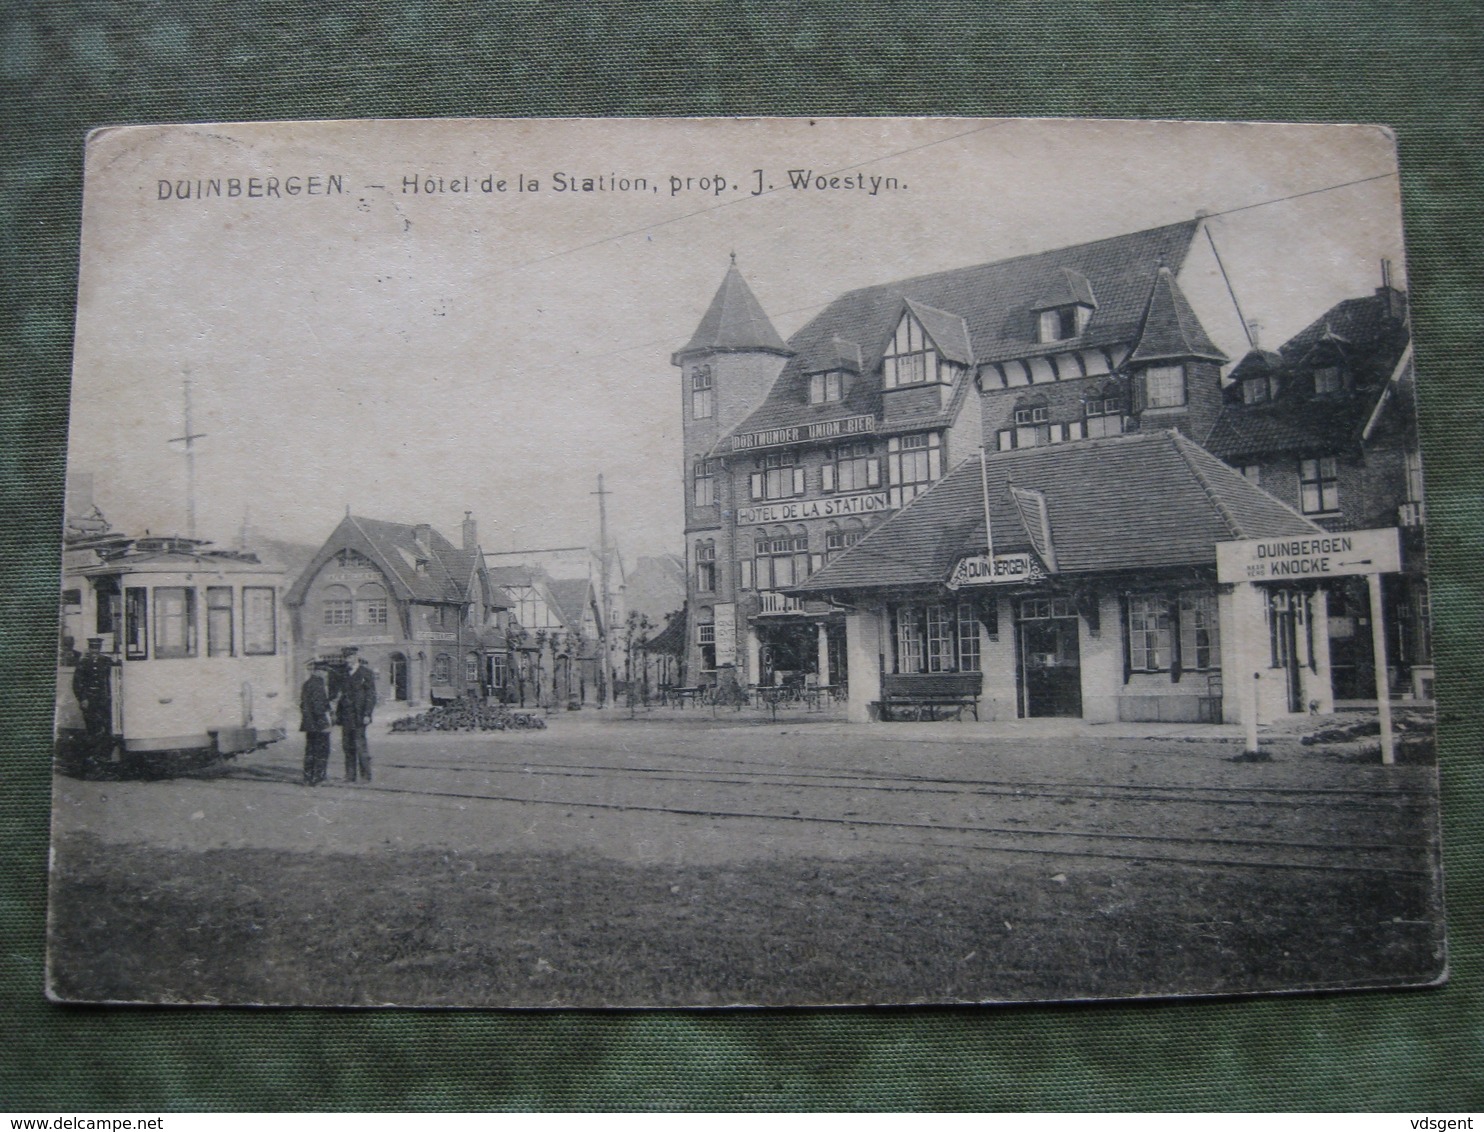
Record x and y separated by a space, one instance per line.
433 635
1336 554
726 633
812 509
362 641
353 576
800 434
1006 569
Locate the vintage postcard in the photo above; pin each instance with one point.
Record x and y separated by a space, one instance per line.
705 562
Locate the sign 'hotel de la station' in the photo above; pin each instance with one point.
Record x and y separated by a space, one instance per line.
999 472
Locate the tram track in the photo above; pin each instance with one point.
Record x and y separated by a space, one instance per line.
967 837
1385 801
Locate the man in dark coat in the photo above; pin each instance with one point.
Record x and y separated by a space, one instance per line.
316 721
355 693
92 687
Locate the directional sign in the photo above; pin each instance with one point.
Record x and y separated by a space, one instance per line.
1296 558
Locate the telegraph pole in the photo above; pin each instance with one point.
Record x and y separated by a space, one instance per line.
189 440
606 609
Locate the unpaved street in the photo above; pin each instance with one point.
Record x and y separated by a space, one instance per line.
805 830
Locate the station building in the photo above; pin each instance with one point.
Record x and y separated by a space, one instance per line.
1080 580
795 451
422 611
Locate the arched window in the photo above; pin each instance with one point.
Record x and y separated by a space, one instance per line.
471 669
371 604
443 669
336 606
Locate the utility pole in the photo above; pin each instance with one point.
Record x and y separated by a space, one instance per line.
604 598
189 440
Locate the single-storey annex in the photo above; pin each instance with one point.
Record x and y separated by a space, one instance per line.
1080 580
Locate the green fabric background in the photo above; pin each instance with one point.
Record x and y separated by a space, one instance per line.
65 68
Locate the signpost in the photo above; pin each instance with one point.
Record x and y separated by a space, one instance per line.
1327 554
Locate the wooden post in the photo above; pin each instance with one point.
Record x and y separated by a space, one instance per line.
1245 594
1383 679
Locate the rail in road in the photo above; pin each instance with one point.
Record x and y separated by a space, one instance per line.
1332 829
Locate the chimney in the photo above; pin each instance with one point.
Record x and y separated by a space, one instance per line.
1254 333
471 532
423 533
1393 301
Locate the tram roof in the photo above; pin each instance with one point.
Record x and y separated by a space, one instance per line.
180 562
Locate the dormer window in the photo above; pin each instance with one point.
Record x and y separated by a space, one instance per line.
826 387
1065 307
911 358
1328 379
1258 389
1061 323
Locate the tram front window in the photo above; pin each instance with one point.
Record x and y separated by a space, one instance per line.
175 621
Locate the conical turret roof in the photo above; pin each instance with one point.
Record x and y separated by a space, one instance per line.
1171 330
735 321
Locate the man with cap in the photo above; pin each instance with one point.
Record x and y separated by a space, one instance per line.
316 721
355 694
92 687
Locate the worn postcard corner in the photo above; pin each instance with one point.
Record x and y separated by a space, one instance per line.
772 562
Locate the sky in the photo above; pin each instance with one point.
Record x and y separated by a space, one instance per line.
414 355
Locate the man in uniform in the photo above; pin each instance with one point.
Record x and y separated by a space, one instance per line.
316 721
92 687
355 693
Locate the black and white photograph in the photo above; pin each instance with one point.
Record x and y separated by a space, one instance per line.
742 562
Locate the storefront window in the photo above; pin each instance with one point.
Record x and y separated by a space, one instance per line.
1148 633
937 638
1200 632
1163 628
443 669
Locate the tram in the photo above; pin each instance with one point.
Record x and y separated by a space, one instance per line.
196 644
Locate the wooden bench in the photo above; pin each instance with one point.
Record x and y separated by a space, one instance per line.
921 695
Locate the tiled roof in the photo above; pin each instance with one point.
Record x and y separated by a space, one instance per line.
394 548
1360 334
570 596
1170 329
1068 286
947 331
734 321
1144 501
672 639
997 303
836 353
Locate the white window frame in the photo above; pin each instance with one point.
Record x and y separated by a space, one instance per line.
1319 485
1165 387
702 393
